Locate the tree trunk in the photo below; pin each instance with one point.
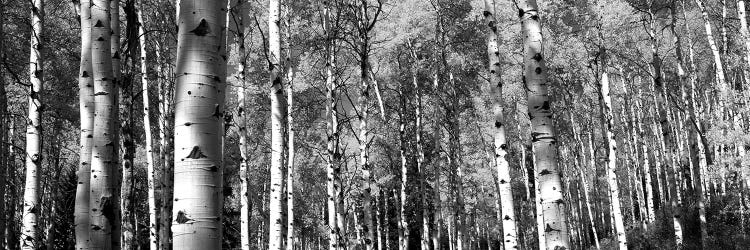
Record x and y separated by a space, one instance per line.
539 215
425 227
277 129
507 210
363 106
333 170
543 134
582 177
86 107
651 210
742 14
290 156
104 154
245 201
126 237
31 206
614 190
151 174
715 51
403 225
199 100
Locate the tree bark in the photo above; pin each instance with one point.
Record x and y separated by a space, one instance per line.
86 107
104 154
278 109
245 201
199 109
715 51
332 170
31 206
543 134
508 218
611 160
150 171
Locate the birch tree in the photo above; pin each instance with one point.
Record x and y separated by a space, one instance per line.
199 111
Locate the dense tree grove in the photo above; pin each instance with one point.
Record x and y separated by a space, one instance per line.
374 124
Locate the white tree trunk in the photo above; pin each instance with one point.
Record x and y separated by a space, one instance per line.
245 201
508 218
151 174
715 51
275 234
86 107
611 160
742 14
199 109
542 131
31 206
104 154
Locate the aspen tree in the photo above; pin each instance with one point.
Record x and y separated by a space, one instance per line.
104 154
277 119
86 110
403 225
582 177
31 206
245 201
333 169
364 26
290 143
715 51
199 109
507 210
744 33
542 131
611 160
123 233
150 171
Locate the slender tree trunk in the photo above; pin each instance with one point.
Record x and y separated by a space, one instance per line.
31 205
245 201
614 190
651 210
11 234
126 237
290 155
199 100
86 107
507 211
363 103
539 215
120 121
333 170
151 174
715 51
582 177
403 225
543 134
745 34
277 121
